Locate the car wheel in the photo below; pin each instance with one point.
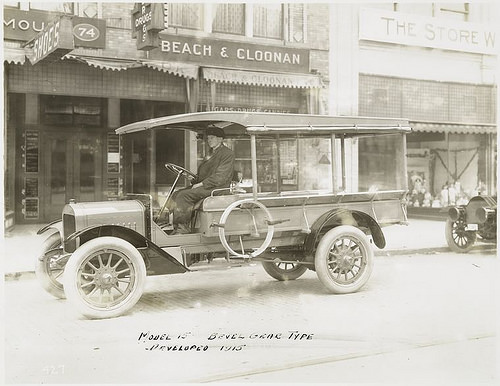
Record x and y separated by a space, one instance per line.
105 277
344 259
284 271
49 266
458 239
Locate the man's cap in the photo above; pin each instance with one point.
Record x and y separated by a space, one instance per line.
216 131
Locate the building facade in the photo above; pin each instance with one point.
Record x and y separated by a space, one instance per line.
74 72
435 64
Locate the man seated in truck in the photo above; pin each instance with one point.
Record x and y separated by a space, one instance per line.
215 172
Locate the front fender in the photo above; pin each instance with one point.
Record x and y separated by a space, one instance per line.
338 217
156 259
54 225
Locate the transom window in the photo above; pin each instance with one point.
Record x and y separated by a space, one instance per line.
187 15
229 18
268 20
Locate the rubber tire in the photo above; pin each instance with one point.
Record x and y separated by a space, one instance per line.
471 239
49 284
321 259
281 274
79 256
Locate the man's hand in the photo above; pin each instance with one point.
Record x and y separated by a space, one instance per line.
198 185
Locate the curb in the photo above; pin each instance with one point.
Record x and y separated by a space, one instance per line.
411 251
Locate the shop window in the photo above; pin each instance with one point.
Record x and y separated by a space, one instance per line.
268 20
31 151
296 23
90 9
187 15
64 7
63 111
229 18
380 163
283 163
169 148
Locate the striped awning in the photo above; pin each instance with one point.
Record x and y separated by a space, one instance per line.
256 78
14 55
113 64
185 70
453 128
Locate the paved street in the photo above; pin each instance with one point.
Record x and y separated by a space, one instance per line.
425 318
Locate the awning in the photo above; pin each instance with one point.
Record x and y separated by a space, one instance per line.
453 128
105 63
256 78
185 70
14 55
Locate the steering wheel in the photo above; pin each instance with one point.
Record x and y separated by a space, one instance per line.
179 170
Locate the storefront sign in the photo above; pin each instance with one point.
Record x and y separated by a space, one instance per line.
25 25
147 20
258 109
56 40
89 32
232 54
405 29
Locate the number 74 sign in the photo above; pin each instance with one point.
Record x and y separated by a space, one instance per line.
89 32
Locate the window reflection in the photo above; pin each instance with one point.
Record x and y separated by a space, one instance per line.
58 172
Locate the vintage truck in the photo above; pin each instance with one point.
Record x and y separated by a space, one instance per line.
99 254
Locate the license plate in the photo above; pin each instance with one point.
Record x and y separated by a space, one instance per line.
471 227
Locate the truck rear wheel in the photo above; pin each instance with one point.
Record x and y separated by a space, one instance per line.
105 277
344 259
283 271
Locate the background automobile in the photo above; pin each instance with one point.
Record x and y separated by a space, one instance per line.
476 221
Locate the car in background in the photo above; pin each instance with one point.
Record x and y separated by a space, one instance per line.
467 224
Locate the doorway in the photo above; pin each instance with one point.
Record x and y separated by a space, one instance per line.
73 170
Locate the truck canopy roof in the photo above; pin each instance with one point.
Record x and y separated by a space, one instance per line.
236 123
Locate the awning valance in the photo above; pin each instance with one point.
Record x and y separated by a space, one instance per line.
113 64
14 55
256 78
185 70
453 128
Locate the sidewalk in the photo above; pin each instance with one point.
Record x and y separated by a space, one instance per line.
21 245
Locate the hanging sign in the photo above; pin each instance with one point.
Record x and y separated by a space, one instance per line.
147 20
53 42
25 25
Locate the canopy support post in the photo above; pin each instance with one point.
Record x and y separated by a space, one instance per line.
253 151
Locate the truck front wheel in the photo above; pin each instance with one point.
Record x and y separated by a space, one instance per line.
105 277
458 238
